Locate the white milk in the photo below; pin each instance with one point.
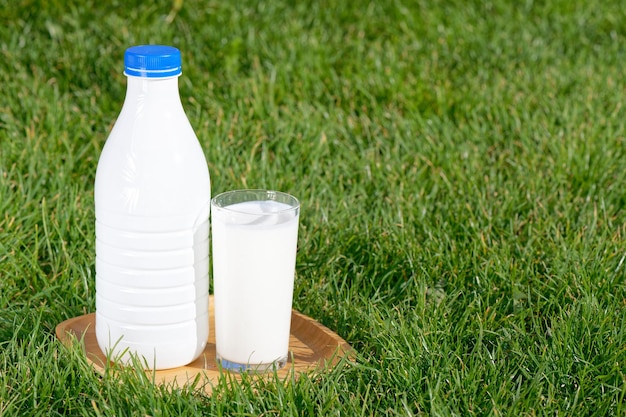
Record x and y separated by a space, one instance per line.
253 267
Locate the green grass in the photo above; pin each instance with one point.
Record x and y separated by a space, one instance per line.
461 167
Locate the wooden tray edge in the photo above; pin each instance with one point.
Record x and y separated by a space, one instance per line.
329 349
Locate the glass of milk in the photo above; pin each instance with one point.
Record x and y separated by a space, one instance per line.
255 234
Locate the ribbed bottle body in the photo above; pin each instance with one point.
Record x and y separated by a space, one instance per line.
152 197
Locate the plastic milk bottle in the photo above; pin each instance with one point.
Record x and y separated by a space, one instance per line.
152 202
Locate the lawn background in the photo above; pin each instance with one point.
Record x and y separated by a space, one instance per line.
461 167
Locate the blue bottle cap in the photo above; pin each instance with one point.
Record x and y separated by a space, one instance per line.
152 61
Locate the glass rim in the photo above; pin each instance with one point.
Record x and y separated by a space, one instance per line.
262 194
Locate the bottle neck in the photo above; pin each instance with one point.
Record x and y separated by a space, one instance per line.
140 88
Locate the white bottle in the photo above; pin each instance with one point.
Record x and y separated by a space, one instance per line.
152 201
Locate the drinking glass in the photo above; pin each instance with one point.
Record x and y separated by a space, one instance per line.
254 237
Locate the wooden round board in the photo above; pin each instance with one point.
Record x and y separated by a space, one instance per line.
311 346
